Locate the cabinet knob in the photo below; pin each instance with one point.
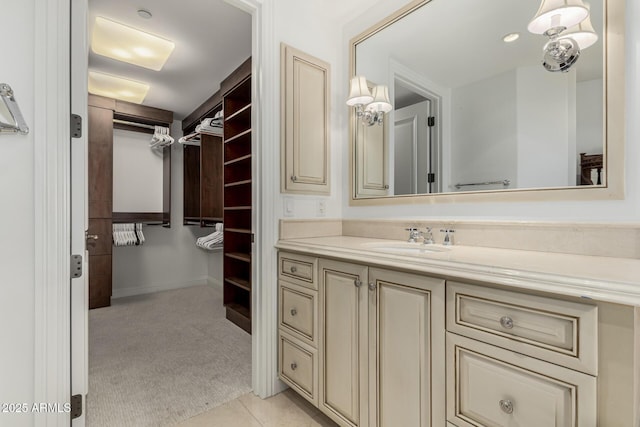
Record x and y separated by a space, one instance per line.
506 322
294 178
357 282
294 311
293 269
294 366
372 286
506 406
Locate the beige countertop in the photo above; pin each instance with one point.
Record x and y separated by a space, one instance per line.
615 280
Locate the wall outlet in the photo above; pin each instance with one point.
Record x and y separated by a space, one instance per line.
321 207
288 207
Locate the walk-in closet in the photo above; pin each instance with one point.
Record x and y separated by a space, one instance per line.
170 209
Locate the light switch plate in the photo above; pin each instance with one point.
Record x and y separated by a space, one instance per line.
321 207
288 206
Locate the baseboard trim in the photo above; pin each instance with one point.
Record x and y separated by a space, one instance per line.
214 282
140 290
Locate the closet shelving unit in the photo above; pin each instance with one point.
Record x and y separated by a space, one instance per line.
237 204
203 178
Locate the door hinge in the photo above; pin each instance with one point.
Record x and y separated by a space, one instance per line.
76 266
76 126
76 406
431 121
253 238
431 177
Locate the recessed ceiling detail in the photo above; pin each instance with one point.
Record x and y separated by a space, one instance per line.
127 44
117 87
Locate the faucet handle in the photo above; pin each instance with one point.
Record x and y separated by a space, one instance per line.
413 234
448 237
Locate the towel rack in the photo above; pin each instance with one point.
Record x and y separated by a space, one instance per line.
504 182
19 125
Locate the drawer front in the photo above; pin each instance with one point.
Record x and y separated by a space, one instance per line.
298 269
489 386
557 331
298 367
298 311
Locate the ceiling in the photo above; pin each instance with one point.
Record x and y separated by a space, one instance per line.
212 39
457 42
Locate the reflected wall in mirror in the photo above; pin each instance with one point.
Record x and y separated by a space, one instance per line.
472 111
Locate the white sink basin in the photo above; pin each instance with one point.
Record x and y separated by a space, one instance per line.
405 248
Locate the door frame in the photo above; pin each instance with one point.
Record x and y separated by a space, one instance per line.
52 213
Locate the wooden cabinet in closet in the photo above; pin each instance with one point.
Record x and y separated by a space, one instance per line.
203 181
238 204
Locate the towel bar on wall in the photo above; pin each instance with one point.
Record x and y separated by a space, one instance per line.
19 125
504 182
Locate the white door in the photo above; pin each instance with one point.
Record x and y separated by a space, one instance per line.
412 149
79 209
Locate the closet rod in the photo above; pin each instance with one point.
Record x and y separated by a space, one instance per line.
140 125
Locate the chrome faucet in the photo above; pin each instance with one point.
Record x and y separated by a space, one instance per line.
414 234
427 237
448 236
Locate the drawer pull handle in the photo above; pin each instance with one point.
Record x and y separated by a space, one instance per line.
293 269
506 406
294 311
294 366
506 322
357 283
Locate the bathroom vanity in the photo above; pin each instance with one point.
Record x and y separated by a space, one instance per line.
380 332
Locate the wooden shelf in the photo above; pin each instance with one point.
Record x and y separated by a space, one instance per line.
233 184
237 159
238 136
238 230
237 203
241 283
239 256
237 113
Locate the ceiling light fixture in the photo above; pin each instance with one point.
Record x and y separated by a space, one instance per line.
144 14
117 87
127 44
511 37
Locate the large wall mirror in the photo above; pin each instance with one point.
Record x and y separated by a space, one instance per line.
475 112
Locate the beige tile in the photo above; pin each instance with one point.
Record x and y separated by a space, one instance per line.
304 228
286 409
230 414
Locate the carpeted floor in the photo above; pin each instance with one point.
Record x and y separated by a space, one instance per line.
158 359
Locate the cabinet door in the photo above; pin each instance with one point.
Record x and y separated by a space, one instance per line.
406 349
305 123
343 342
372 151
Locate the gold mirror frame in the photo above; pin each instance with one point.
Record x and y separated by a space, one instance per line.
614 124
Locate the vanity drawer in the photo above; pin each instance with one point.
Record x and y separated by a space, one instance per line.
298 269
297 367
558 331
298 311
490 386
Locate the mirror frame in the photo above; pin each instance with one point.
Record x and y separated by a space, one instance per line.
614 128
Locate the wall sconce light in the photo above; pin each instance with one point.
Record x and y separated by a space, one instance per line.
553 19
370 107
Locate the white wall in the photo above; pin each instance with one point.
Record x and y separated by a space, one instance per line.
546 105
169 258
17 265
614 210
589 117
484 128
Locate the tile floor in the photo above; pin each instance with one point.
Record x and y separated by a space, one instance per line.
286 409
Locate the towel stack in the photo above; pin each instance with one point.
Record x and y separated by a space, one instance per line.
212 241
127 235
212 125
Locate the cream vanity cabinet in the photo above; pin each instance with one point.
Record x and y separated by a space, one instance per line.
379 353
